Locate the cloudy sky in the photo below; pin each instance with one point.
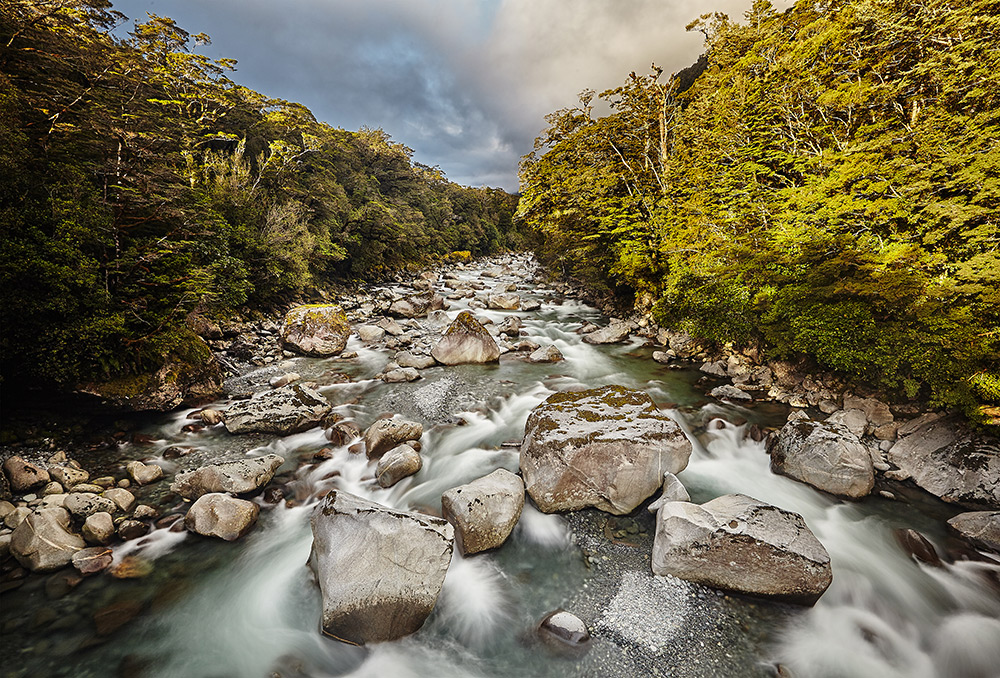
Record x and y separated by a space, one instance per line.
465 83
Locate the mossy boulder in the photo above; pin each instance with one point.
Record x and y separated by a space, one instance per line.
189 375
315 329
606 447
466 341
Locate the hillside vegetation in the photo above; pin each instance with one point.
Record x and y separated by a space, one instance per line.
138 182
824 181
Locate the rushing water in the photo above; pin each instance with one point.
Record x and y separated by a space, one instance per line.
251 608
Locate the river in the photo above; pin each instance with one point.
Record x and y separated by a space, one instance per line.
206 608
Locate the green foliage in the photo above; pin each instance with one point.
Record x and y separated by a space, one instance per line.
827 184
138 182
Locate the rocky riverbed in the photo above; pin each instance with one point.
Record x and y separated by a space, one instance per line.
495 388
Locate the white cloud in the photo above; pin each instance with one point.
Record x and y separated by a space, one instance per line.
466 83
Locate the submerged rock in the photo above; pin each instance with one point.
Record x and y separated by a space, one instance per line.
606 447
950 462
43 541
315 330
484 511
380 570
740 544
222 516
564 630
826 456
237 477
285 410
466 341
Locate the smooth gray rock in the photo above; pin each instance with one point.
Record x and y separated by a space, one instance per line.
673 490
83 504
315 330
93 559
43 542
283 380
385 434
484 511
143 474
947 460
370 333
612 334
606 447
236 477
854 420
398 463
876 412
419 362
290 409
466 341
379 570
413 306
716 368
222 516
980 528
564 628
737 543
827 456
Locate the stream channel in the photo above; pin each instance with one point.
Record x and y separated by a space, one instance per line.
211 609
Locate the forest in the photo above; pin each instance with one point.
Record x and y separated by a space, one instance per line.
138 182
823 182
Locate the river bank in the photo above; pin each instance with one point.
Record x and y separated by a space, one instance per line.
175 603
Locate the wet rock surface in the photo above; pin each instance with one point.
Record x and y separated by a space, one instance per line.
484 511
827 456
237 477
285 410
222 516
379 570
466 341
605 447
737 543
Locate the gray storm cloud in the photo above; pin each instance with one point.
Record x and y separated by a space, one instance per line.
465 83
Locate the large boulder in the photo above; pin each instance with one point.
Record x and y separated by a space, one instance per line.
949 461
289 409
466 341
222 516
611 334
740 544
236 477
315 329
484 511
43 541
545 354
379 570
606 447
386 434
827 456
